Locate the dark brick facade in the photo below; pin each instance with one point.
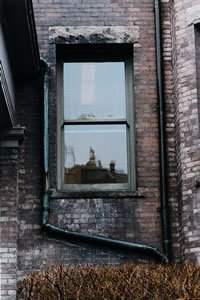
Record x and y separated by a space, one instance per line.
136 219
186 98
132 219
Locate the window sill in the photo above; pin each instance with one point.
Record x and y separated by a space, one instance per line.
54 194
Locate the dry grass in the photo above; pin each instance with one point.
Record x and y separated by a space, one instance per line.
128 281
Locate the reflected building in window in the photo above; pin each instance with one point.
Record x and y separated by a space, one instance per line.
93 171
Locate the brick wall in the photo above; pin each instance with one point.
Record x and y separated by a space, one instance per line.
167 34
187 126
29 113
134 219
8 221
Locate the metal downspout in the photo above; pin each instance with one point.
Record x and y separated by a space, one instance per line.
45 206
101 241
163 155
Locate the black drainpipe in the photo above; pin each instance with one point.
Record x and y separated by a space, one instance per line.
162 139
86 238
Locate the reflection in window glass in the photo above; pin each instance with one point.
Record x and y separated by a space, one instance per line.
94 91
95 154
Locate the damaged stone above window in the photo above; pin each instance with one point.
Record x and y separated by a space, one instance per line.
93 34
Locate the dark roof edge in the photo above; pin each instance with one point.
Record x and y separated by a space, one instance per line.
22 38
33 34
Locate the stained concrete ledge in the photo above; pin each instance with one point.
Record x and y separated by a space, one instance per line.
193 15
93 34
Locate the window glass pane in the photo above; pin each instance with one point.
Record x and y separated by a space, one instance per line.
94 91
95 154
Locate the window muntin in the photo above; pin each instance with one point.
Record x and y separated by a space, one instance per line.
121 114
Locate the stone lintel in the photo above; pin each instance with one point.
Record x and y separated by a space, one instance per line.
11 138
93 34
193 15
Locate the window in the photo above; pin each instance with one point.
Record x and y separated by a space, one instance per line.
95 123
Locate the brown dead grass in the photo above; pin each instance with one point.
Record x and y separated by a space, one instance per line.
128 281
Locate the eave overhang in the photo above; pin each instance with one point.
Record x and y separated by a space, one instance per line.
21 35
7 114
22 53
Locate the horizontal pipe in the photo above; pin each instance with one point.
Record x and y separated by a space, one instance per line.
106 242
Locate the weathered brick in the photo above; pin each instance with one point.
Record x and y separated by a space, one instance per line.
132 219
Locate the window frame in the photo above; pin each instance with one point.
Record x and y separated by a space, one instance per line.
129 122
